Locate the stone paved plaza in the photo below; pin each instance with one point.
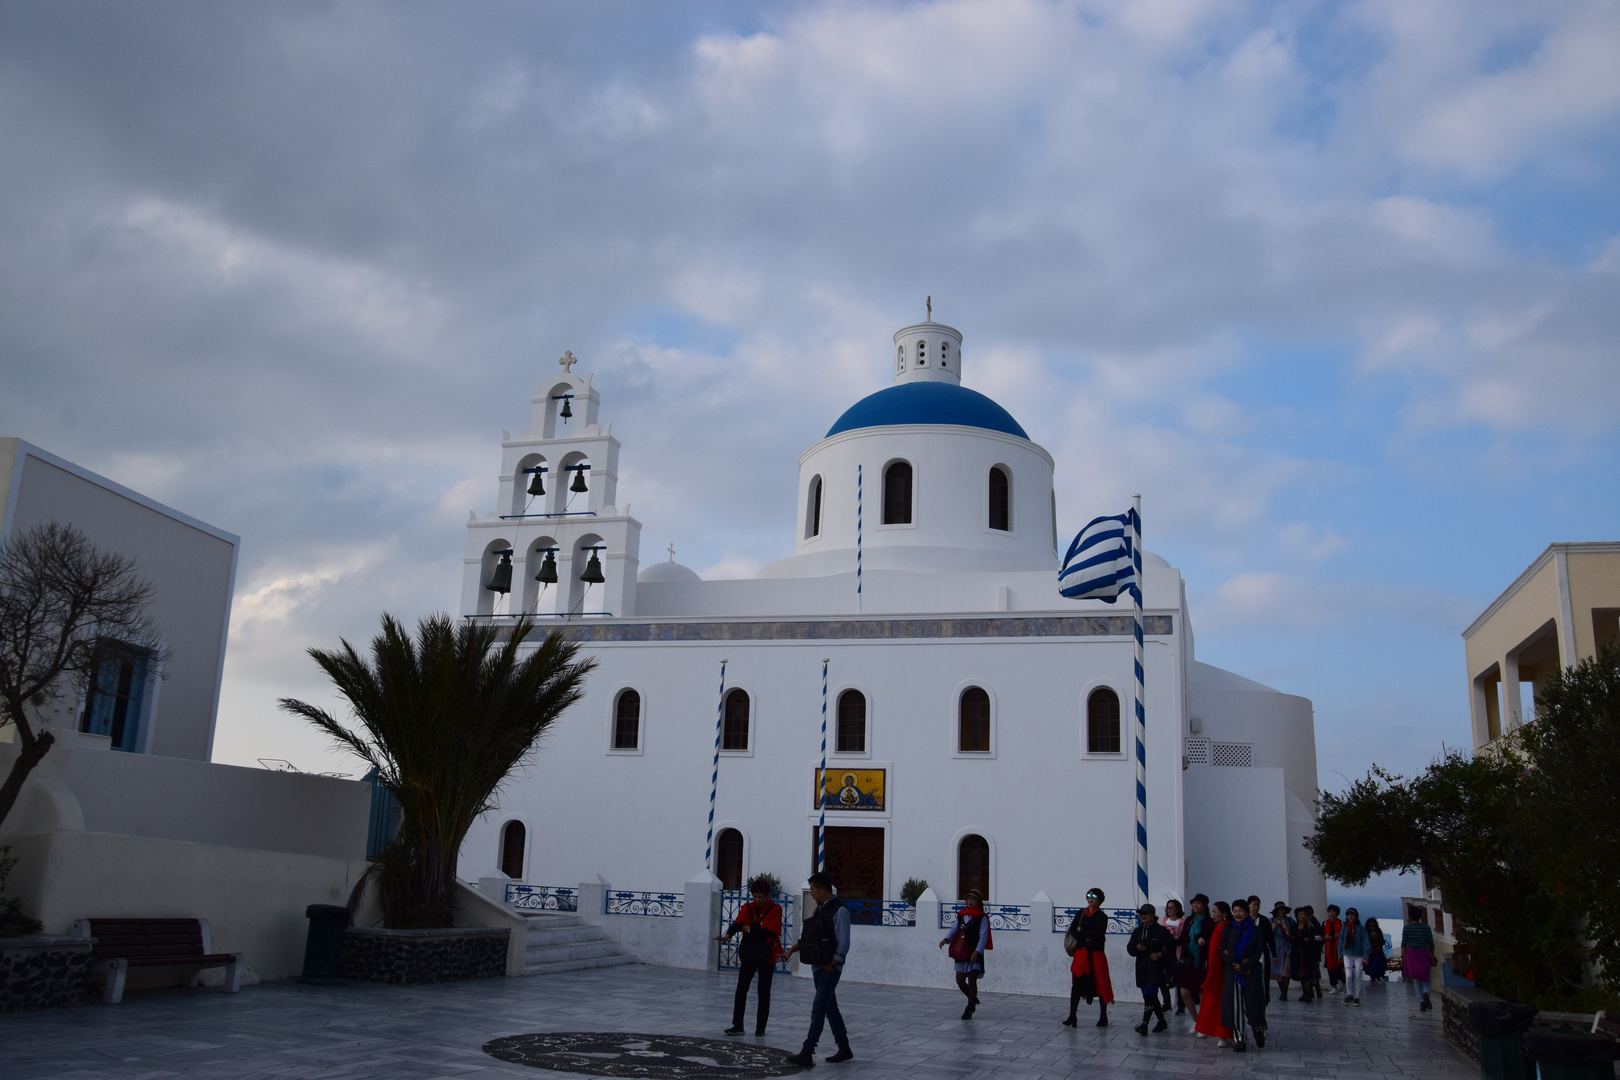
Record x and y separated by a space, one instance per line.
287 1031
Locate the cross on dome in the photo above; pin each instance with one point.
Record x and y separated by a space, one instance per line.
672 553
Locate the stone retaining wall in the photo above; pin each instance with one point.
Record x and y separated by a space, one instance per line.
412 957
1454 1017
1454 1002
39 971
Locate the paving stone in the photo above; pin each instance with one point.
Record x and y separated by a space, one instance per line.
286 1031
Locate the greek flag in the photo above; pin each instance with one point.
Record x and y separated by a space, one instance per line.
1099 565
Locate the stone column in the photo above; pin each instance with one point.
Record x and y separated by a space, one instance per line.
1040 914
701 920
593 900
928 915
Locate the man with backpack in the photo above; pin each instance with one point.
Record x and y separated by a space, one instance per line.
823 945
760 924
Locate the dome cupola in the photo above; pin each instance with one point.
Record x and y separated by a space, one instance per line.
925 476
928 352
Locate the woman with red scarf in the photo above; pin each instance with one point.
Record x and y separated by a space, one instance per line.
1089 970
969 940
1209 1024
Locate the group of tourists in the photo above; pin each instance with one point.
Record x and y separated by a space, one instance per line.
1219 962
1216 963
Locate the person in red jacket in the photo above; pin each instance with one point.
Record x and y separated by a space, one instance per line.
760 923
1210 1024
1332 958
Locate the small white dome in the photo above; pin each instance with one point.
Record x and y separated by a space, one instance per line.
667 571
1154 560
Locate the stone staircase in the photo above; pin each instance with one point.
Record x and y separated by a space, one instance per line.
561 942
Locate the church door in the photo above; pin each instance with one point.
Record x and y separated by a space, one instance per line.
855 861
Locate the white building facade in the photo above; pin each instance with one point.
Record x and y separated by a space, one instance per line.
977 724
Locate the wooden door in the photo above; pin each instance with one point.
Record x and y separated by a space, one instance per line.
855 861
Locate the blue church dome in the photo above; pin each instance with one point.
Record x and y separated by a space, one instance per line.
927 403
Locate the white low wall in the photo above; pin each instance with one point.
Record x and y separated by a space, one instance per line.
178 799
685 940
253 900
1021 961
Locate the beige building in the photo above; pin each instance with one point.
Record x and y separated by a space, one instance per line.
1554 615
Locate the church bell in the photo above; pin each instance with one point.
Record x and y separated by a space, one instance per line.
537 485
579 481
548 570
501 580
566 410
593 571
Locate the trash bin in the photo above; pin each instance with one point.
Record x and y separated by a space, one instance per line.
323 949
1501 1026
1571 1055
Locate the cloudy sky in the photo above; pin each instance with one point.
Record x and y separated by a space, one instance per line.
1335 286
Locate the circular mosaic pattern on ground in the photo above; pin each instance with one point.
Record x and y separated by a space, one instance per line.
656 1057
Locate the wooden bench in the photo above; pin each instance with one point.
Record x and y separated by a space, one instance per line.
121 944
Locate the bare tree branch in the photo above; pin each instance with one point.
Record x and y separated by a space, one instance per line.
63 603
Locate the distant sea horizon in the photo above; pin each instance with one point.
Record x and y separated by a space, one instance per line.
1370 905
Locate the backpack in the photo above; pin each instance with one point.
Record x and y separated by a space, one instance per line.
757 946
819 941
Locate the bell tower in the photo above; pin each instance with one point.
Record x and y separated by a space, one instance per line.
558 546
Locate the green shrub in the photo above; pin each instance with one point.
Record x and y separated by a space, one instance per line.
912 889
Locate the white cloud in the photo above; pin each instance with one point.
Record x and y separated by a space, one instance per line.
292 272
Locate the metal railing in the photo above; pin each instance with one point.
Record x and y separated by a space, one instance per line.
659 904
542 897
1003 917
1120 920
881 913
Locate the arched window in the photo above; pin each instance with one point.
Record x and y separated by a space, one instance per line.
922 352
728 858
627 721
944 354
1000 499
899 359
973 722
897 494
812 509
514 838
852 722
1102 722
973 865
734 734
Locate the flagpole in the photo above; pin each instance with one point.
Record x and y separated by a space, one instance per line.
714 778
821 778
1141 714
858 498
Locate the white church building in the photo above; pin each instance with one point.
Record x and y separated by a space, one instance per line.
977 724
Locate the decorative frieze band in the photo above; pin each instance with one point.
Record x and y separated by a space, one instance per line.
871 629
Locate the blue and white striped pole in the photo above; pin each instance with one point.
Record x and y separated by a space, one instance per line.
1141 714
858 539
714 778
821 777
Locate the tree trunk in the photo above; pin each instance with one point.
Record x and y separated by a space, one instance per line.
33 751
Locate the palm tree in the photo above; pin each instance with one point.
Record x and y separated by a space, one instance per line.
443 720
